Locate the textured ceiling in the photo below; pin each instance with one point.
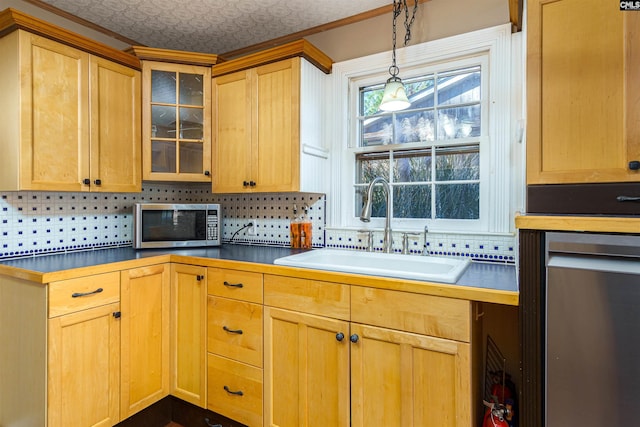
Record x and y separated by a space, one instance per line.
212 26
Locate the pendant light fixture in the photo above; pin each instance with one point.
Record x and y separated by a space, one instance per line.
394 97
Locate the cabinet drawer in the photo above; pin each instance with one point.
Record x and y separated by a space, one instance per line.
236 284
423 314
234 329
67 296
234 390
309 296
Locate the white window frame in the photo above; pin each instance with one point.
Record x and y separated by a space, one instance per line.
490 48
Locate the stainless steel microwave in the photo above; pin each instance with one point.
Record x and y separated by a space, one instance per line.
162 225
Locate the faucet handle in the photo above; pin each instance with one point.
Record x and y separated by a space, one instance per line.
405 240
369 239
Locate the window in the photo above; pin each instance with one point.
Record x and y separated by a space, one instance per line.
437 177
448 158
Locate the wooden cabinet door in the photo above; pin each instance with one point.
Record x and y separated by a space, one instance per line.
84 368
276 142
404 379
232 105
55 120
144 297
583 95
306 370
115 127
188 333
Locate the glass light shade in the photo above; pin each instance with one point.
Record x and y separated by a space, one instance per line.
394 97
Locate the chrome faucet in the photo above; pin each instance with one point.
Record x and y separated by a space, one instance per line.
365 216
425 252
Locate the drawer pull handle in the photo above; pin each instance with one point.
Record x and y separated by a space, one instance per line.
84 294
237 393
199 277
233 331
233 285
628 199
206 420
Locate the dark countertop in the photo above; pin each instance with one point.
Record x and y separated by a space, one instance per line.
489 276
80 259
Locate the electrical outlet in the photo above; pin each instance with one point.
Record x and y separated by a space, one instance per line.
252 231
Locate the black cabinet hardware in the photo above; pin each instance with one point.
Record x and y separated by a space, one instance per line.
339 336
634 165
117 314
84 294
233 331
354 338
237 393
233 285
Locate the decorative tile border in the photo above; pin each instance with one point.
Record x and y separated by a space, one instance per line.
491 248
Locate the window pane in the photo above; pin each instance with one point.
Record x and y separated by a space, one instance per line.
420 92
412 166
412 201
458 163
190 157
377 131
163 121
191 120
460 122
459 87
369 166
163 156
163 87
414 126
370 98
458 201
191 89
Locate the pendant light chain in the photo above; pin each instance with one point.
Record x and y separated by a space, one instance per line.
398 6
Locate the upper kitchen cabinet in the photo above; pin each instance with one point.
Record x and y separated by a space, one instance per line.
583 92
176 114
268 124
71 111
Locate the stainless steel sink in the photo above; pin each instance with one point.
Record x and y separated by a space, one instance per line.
427 268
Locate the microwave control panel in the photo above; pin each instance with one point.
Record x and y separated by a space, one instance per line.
213 226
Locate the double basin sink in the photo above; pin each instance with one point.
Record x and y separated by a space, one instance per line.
414 267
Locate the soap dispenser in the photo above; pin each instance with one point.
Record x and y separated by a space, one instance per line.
294 228
306 230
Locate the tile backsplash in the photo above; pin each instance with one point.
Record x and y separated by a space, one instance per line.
33 223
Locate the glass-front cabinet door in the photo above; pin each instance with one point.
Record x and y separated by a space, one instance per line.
177 122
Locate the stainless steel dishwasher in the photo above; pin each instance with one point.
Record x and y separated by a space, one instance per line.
592 366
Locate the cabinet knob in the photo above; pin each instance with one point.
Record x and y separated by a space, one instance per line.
252 183
199 277
354 338
634 165
97 182
207 173
86 181
245 183
117 314
339 336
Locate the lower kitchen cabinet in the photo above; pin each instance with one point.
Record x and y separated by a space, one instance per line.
306 369
404 379
83 370
234 344
188 333
344 355
144 367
